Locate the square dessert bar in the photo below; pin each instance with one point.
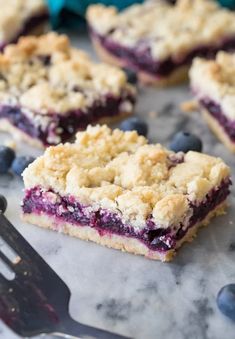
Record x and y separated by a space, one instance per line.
213 84
115 189
20 17
49 90
159 40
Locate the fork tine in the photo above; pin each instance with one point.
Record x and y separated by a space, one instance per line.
6 260
16 241
5 286
3 280
30 259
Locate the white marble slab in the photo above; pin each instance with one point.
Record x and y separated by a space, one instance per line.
129 294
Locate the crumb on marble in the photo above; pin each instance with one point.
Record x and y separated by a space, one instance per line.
189 106
16 260
153 114
10 143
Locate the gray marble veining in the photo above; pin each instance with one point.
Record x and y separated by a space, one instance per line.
129 294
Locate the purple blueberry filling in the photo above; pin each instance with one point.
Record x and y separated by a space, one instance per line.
215 110
140 58
64 126
29 25
67 208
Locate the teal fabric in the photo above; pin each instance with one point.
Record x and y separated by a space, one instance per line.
228 3
67 12
70 13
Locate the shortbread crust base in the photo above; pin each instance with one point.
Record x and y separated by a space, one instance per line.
125 244
178 76
218 130
18 135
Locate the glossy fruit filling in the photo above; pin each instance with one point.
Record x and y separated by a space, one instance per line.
215 110
28 26
140 57
156 238
54 128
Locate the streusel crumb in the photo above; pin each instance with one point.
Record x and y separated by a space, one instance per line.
14 14
45 75
169 31
218 81
121 171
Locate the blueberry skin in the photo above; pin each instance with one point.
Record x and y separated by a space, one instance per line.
3 203
20 164
7 155
135 124
226 301
131 76
184 142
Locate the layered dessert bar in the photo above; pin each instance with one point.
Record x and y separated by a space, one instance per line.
49 90
213 84
115 189
159 40
20 17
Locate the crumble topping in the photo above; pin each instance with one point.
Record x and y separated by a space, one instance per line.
167 30
218 81
14 14
120 171
45 75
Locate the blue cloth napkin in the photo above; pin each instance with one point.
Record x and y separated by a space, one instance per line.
67 12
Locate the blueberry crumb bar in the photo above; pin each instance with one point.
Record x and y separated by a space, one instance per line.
213 85
20 17
115 189
160 40
49 90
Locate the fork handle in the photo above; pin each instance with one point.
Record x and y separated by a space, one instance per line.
74 329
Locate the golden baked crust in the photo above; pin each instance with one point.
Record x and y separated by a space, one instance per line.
121 172
14 14
218 130
218 81
168 30
45 75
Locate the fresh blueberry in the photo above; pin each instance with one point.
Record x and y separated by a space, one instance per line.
184 142
3 203
131 76
20 164
135 124
7 155
226 301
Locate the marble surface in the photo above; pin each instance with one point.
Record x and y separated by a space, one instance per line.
129 294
